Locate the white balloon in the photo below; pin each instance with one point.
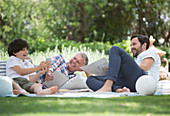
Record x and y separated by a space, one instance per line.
146 85
6 88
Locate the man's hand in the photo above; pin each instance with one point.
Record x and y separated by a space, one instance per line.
49 76
106 68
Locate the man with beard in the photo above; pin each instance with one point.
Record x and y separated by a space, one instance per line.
145 57
123 71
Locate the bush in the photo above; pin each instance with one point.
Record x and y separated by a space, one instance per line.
42 45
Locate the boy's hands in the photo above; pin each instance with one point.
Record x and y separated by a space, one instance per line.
45 64
43 70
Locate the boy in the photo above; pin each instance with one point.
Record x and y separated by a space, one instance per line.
21 70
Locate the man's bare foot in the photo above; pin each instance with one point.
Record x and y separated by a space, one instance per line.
107 87
124 89
104 89
16 92
49 91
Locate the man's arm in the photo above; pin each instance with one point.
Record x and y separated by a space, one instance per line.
88 74
147 64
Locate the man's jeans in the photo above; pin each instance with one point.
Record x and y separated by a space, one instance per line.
122 69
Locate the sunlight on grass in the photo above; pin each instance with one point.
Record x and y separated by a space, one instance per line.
86 114
119 106
67 114
132 104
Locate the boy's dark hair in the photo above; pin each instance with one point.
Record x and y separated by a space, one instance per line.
17 45
142 39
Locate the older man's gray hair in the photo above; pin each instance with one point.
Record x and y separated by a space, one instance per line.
85 58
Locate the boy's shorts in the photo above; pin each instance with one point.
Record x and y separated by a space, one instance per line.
24 83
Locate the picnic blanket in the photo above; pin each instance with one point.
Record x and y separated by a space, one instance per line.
164 89
86 94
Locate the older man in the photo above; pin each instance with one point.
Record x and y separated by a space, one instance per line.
68 68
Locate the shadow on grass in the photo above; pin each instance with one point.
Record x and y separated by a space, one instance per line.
126 105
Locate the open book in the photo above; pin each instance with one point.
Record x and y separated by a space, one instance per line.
98 67
59 80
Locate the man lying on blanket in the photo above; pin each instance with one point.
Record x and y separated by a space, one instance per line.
68 68
123 71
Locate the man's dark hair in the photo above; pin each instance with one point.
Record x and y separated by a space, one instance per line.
17 45
142 39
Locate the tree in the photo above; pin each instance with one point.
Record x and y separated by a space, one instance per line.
42 22
149 17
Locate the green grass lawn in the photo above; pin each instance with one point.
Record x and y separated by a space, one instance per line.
118 106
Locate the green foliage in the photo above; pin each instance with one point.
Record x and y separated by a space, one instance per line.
151 17
36 20
3 55
22 19
81 20
167 50
41 44
167 55
100 23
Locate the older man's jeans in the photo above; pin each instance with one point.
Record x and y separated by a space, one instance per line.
122 69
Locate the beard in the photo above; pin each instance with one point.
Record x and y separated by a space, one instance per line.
138 51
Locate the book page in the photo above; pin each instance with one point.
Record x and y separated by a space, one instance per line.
98 67
59 80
